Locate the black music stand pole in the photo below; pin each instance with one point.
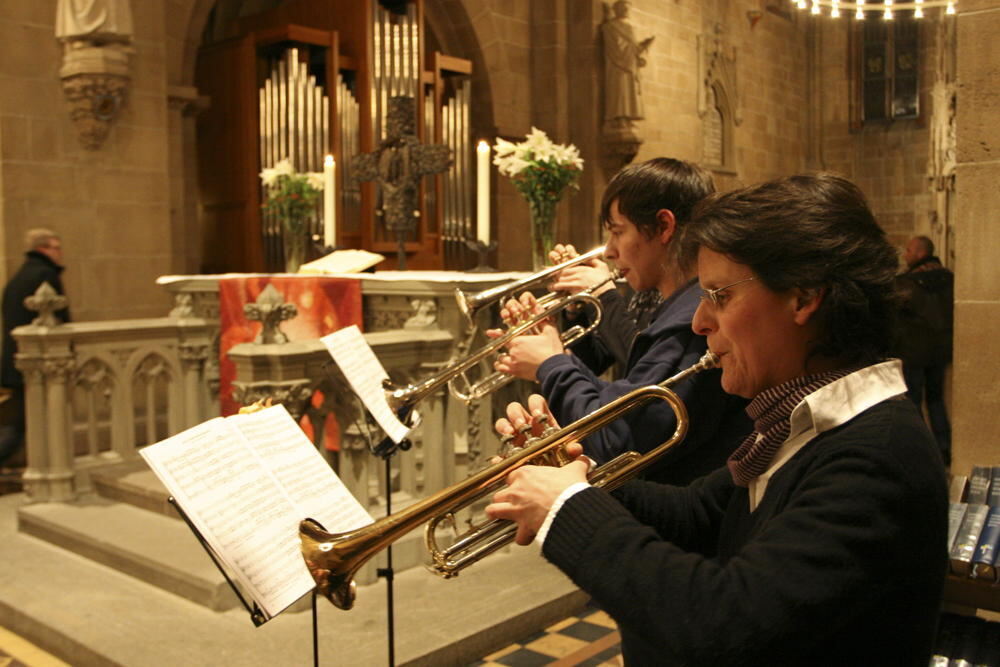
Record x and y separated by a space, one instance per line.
385 450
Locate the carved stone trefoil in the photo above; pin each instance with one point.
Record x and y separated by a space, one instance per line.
46 301
270 310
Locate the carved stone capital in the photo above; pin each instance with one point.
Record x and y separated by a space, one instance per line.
58 369
193 356
293 394
32 369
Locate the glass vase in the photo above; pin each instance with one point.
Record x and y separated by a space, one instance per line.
295 250
543 222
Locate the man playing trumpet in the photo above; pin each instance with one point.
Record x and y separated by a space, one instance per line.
645 209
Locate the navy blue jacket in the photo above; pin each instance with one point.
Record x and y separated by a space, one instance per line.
666 347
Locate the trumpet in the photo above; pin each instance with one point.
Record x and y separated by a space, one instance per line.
470 304
334 559
401 399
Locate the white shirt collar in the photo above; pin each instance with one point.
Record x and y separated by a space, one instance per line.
830 406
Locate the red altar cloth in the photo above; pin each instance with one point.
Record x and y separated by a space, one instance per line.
324 304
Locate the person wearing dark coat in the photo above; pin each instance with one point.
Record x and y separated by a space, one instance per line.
823 540
43 263
645 208
924 342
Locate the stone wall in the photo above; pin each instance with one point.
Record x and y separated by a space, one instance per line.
110 205
889 161
976 415
134 203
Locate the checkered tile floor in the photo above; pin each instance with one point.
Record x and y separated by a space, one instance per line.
590 638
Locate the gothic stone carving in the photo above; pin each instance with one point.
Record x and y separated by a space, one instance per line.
46 301
270 310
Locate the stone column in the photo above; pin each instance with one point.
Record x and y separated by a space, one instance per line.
36 446
60 476
193 359
976 398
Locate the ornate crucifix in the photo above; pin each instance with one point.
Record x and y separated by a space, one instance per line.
397 166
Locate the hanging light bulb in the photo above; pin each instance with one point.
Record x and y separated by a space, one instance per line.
950 9
918 11
835 11
815 7
887 15
802 4
860 13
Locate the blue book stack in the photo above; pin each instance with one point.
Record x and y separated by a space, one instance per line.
984 561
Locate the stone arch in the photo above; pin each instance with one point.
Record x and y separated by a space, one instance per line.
459 36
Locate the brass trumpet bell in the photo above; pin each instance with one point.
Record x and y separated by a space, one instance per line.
334 559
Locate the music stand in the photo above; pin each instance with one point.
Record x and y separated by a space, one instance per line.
385 449
256 615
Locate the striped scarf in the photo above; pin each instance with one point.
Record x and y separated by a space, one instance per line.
771 412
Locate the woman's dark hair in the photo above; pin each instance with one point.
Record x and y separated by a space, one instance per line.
643 189
810 231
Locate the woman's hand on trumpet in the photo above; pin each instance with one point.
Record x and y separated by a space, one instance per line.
531 490
523 422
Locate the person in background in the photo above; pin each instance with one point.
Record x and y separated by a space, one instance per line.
822 541
645 209
43 263
924 344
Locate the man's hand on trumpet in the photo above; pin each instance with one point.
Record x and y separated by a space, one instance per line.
525 353
531 490
580 277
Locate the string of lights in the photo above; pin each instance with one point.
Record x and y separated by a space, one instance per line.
886 9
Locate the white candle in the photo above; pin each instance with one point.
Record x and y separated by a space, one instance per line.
483 192
329 208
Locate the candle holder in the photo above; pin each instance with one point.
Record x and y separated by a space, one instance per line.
481 250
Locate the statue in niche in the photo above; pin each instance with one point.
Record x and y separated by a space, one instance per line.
623 58
397 166
82 23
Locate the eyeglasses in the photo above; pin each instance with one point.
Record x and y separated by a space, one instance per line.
717 296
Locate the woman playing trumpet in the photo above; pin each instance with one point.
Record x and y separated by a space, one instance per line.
645 209
822 541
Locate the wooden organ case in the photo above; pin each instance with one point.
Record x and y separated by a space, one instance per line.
306 79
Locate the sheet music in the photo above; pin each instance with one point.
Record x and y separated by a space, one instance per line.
299 467
246 493
365 373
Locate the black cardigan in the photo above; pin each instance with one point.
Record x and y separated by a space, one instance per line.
843 562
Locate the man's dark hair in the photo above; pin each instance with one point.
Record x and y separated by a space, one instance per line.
926 244
643 189
810 232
